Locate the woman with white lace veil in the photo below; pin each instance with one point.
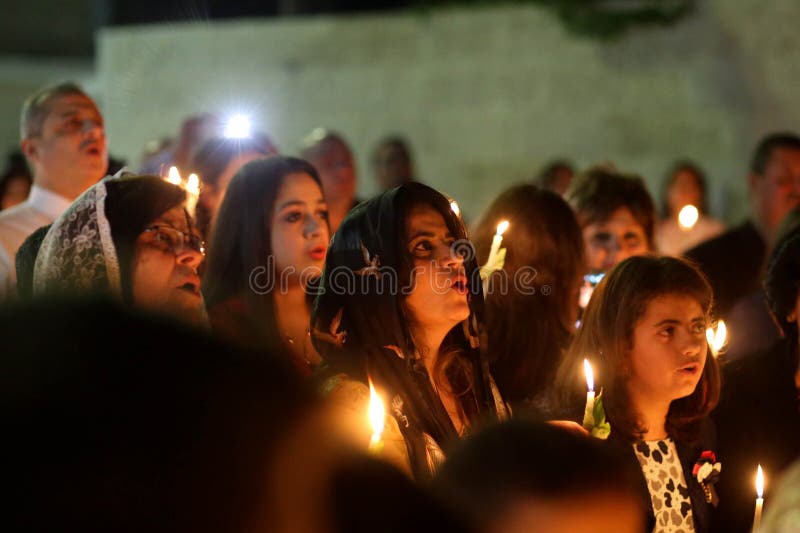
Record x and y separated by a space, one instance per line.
130 238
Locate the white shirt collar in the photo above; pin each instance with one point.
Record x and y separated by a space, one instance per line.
48 202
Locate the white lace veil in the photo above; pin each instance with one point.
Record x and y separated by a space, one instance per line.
78 253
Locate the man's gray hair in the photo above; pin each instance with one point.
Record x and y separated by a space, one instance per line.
37 106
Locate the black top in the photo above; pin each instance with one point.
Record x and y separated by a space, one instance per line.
758 422
733 263
703 512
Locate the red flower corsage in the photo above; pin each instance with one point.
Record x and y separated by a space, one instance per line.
706 471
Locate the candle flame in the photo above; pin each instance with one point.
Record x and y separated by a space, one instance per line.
377 413
455 209
174 177
688 216
502 227
587 370
193 184
760 482
717 337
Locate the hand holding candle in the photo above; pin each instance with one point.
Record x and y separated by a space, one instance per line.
377 418
759 499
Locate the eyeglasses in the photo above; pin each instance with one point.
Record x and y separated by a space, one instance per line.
176 240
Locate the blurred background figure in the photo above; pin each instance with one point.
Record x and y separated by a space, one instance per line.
761 391
556 176
333 159
215 163
734 261
529 325
392 163
15 181
521 476
685 191
616 215
63 138
194 132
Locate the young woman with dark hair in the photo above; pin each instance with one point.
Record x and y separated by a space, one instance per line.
529 325
644 332
400 306
265 255
130 238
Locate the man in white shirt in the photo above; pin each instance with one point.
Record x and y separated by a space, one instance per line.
64 141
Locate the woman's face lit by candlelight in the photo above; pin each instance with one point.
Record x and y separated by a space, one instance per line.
439 287
300 227
669 348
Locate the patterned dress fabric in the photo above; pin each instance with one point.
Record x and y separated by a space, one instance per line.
669 493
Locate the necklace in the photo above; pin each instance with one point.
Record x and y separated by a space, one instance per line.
306 338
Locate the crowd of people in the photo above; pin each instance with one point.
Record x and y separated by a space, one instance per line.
213 359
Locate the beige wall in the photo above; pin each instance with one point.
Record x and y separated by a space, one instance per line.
485 95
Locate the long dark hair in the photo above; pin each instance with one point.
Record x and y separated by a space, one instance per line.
133 202
241 243
374 338
530 324
606 336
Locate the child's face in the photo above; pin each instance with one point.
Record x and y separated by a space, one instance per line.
669 349
614 240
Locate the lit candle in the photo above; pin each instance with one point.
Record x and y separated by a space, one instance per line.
588 413
491 263
454 208
687 217
759 499
174 177
717 338
377 418
192 193
497 240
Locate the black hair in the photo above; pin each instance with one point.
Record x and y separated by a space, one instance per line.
25 261
133 202
241 241
522 459
369 308
782 282
768 144
600 191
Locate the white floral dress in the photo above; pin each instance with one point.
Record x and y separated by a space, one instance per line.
669 493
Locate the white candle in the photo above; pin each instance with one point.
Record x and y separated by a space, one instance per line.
588 413
377 418
497 240
759 499
687 217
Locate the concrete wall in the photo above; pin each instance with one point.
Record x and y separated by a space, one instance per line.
485 95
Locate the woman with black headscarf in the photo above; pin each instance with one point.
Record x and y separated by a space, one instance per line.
399 306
